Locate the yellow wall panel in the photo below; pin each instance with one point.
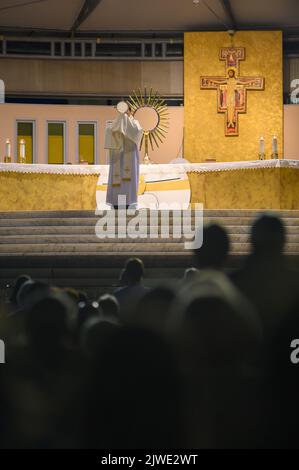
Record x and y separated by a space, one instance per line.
55 149
86 148
55 143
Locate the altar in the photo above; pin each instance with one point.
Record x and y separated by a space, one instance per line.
267 184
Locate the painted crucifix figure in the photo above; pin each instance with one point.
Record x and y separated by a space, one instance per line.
232 89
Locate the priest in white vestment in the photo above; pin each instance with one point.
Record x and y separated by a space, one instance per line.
122 139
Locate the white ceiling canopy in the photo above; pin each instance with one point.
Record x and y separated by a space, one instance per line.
43 14
153 15
115 16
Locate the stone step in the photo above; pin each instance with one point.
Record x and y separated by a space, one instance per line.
90 214
86 239
74 282
94 248
47 214
89 282
90 230
130 247
245 221
69 266
66 239
62 248
91 222
93 292
100 260
86 273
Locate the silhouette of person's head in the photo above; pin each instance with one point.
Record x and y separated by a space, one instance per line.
212 331
268 235
32 291
17 286
216 323
134 270
214 250
190 274
47 318
109 305
72 294
47 326
96 335
153 309
123 281
87 311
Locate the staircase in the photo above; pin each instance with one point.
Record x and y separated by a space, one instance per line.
61 247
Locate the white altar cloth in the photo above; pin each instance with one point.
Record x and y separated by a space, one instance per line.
160 170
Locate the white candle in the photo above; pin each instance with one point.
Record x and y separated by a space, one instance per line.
7 148
274 145
262 146
22 149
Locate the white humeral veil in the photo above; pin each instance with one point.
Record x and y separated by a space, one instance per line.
122 139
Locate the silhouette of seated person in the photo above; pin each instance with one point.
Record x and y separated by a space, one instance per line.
20 280
190 274
133 402
218 336
265 279
209 259
132 278
46 372
96 334
154 309
214 250
87 310
284 385
109 306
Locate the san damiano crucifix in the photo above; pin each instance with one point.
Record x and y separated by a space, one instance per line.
232 89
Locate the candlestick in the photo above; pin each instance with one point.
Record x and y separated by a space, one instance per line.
8 148
274 147
22 151
262 149
7 157
146 159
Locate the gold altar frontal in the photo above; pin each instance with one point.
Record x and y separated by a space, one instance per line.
263 188
272 186
42 192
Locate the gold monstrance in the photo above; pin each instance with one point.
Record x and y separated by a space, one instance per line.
152 113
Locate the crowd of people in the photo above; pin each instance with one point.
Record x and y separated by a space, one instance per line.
202 363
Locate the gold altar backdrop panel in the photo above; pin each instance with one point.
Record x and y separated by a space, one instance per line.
204 127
